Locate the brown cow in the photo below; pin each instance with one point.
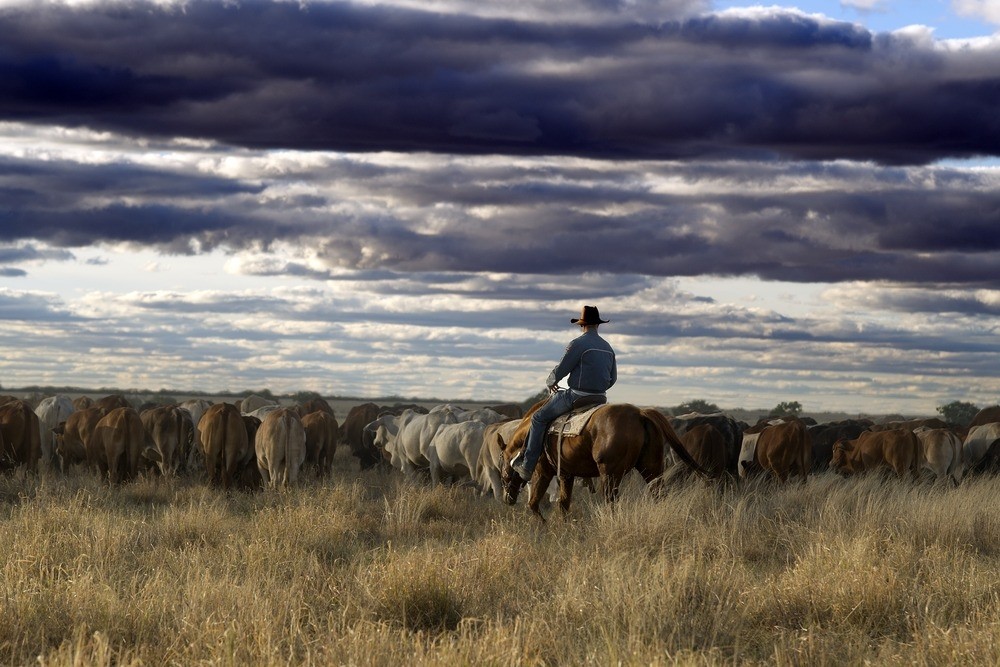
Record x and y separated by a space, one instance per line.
111 402
708 447
281 447
83 402
247 476
898 449
171 431
784 449
352 434
73 435
910 424
509 410
21 440
321 441
315 404
116 444
225 443
986 416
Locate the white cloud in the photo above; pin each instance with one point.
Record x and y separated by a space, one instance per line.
987 10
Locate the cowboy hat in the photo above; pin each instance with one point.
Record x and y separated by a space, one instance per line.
589 315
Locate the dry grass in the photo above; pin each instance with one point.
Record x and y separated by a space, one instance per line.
369 569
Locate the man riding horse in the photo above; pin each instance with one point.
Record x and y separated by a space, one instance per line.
589 361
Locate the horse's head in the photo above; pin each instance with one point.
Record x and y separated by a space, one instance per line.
509 479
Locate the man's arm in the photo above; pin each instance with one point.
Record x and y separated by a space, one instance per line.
570 359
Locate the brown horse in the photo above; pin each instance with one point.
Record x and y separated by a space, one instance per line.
617 438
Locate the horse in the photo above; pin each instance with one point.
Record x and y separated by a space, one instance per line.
617 438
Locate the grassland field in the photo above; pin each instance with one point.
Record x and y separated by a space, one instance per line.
367 568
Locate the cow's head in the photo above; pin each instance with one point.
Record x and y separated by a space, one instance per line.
840 462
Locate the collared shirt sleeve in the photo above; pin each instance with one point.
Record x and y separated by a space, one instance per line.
570 359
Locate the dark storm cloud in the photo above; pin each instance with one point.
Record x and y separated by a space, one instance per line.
54 183
369 78
798 222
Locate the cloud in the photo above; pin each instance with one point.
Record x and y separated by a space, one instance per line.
648 80
539 223
31 306
31 252
986 10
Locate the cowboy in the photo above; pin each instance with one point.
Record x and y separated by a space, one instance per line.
590 363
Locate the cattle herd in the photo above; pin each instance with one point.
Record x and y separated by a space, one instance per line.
786 447
255 443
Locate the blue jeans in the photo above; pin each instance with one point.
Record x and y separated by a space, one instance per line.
559 403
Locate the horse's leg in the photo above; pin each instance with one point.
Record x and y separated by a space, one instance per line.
611 480
565 493
539 485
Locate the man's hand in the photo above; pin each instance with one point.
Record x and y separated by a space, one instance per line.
553 388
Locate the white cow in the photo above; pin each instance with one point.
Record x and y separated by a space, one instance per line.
409 439
941 453
415 441
281 447
978 442
386 429
51 412
484 415
457 447
261 412
253 401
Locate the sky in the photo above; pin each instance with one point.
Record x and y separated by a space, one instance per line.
795 202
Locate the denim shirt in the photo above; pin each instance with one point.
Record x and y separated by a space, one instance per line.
590 363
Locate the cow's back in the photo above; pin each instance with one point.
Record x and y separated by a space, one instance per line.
941 453
281 447
321 432
224 442
117 442
895 448
72 446
708 447
785 449
21 437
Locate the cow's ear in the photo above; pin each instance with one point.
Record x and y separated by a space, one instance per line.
503 445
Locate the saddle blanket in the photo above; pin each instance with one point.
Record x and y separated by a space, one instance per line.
572 422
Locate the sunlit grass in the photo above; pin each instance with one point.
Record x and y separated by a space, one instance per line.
367 568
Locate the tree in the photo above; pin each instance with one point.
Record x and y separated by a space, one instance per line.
958 412
698 405
786 409
304 396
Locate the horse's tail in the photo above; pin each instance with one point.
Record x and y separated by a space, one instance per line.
670 436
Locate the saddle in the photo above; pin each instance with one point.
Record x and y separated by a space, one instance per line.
572 422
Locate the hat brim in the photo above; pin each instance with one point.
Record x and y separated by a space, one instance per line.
577 320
